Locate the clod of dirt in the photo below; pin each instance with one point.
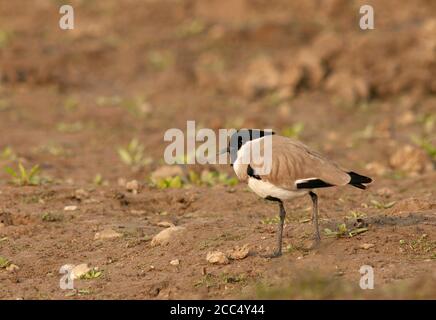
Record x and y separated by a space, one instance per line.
366 246
81 194
12 267
166 171
348 87
71 208
107 234
412 205
165 236
385 192
79 270
165 224
261 76
217 257
132 186
239 253
376 168
411 160
175 262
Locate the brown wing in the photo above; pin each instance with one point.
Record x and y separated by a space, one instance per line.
292 160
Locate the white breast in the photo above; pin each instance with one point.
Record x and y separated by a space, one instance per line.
266 189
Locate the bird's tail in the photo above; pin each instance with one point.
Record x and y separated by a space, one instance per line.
358 180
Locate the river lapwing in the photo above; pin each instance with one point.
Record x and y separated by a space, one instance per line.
295 171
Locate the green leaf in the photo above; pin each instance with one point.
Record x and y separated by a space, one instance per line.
11 172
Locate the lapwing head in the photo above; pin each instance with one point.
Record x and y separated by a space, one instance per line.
241 137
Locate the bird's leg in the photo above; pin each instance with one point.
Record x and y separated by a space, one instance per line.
278 251
317 237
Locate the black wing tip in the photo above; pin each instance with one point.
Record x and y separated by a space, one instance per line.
358 178
358 181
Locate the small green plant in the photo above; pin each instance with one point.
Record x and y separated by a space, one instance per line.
160 60
211 178
71 104
133 154
191 28
94 273
99 180
427 145
342 231
50 217
24 177
4 262
5 37
273 220
422 245
293 131
380 205
8 154
354 215
70 127
169 182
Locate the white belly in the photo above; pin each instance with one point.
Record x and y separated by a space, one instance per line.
265 189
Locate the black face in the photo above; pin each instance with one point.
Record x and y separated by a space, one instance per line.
242 136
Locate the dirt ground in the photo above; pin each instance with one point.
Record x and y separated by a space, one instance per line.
131 69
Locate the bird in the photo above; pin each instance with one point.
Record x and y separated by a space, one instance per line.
295 171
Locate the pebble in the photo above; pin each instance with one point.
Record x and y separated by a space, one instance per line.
71 208
107 234
217 257
175 262
164 237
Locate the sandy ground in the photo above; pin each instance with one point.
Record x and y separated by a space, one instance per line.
69 100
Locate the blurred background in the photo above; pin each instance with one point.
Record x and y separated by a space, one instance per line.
90 106
132 69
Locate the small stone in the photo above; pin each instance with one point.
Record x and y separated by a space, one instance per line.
165 224
79 270
132 186
107 234
175 262
81 194
239 253
71 208
217 257
366 246
12 267
165 236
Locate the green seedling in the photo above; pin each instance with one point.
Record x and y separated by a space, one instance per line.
342 231
24 177
4 263
293 131
191 28
92 274
354 215
379 205
133 154
427 145
273 220
50 217
70 127
8 154
169 182
160 60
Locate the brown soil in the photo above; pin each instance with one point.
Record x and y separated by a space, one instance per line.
133 69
